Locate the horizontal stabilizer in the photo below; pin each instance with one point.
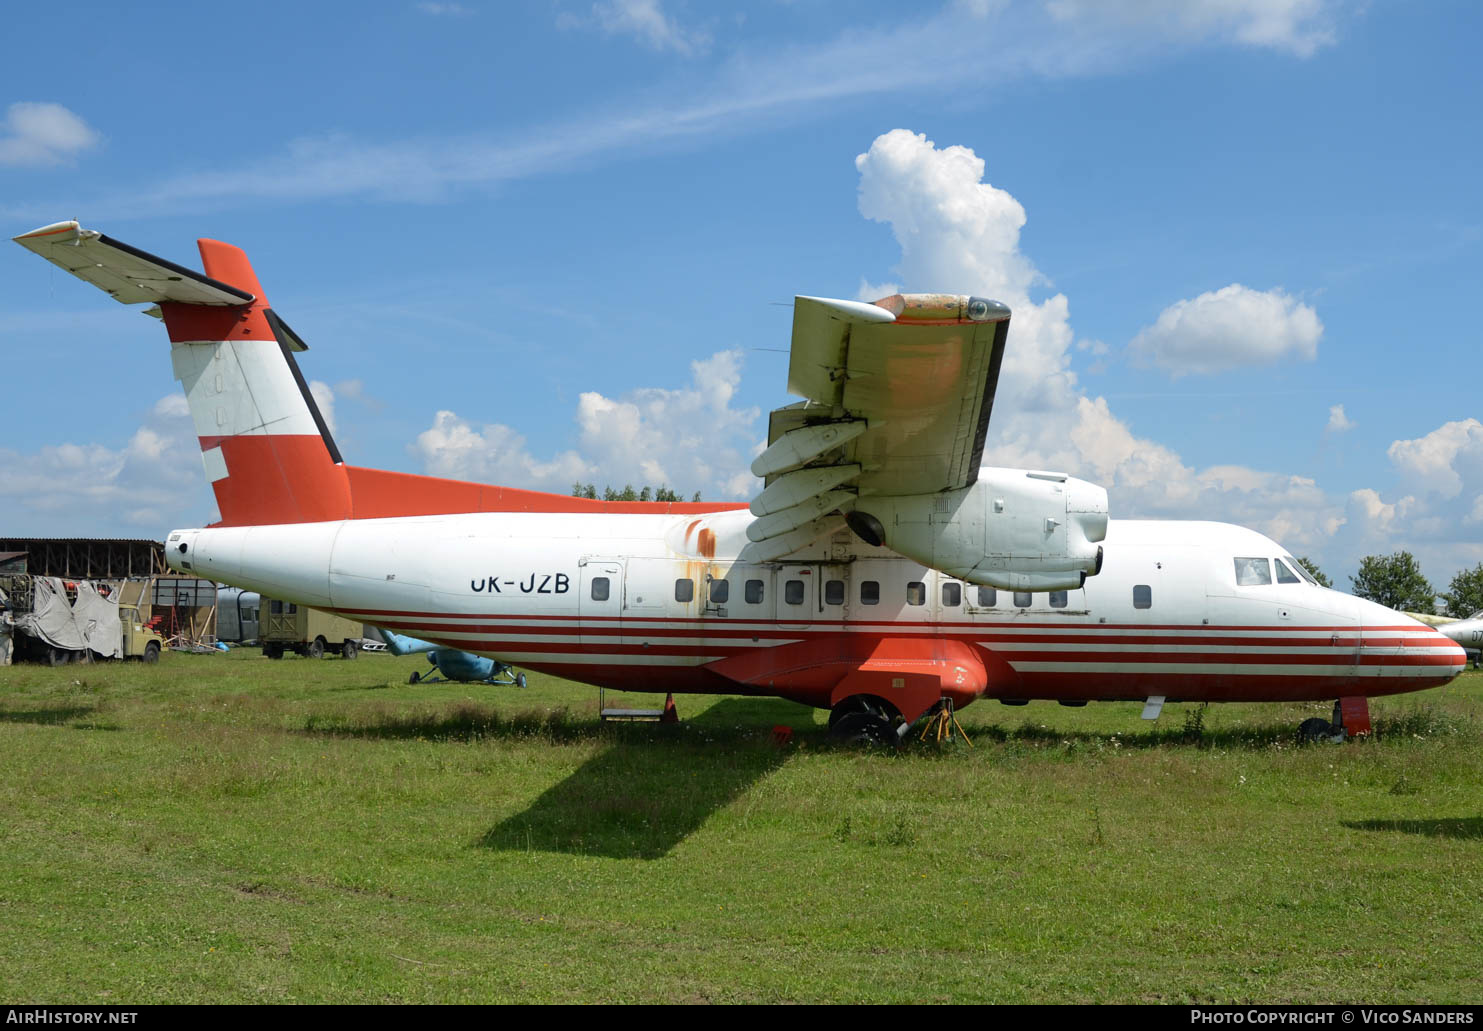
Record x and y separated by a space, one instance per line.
127 274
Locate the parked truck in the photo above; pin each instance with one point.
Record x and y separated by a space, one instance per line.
286 627
56 621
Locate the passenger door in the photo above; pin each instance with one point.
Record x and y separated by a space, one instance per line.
600 601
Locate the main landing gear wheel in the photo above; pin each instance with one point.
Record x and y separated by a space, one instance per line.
863 721
519 679
416 676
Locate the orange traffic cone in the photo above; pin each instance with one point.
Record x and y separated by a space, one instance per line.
671 714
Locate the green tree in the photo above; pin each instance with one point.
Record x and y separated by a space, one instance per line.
660 493
1314 571
1394 581
1464 595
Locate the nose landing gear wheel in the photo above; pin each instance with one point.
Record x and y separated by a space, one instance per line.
1318 729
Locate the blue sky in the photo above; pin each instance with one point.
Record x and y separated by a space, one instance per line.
531 243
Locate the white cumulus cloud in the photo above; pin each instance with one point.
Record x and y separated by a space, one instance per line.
141 487
960 234
1435 511
1444 460
38 134
690 439
494 453
1338 421
1229 328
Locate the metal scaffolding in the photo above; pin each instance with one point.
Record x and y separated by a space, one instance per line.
83 558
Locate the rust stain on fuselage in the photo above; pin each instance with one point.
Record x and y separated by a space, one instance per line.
707 543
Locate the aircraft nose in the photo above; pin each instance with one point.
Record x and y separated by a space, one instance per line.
1453 651
1405 647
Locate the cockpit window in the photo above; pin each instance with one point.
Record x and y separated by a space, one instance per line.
1285 575
1253 572
1300 569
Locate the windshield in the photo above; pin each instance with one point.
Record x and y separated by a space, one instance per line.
1297 567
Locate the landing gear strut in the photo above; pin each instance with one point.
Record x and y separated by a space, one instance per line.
860 720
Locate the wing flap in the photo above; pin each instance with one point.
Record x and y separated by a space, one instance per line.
127 274
898 395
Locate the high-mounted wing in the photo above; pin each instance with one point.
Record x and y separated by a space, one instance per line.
129 275
898 396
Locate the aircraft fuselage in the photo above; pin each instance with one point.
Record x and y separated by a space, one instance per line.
671 603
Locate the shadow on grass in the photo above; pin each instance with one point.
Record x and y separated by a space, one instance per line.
53 717
646 794
730 720
1466 828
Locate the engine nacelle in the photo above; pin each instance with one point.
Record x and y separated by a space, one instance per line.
1014 529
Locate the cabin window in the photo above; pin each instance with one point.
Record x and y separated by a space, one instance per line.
870 592
952 595
793 592
754 592
1058 599
916 593
1142 596
833 592
720 591
1022 599
1285 575
599 589
685 589
1253 572
988 597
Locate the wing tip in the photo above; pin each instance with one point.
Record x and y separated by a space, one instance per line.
61 229
849 311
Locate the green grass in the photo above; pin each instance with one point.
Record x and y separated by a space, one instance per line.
225 828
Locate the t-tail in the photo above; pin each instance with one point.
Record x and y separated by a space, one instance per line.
264 443
265 446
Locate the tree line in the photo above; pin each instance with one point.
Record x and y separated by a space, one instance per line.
659 493
1396 582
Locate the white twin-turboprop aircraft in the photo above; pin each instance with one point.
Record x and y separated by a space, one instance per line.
880 573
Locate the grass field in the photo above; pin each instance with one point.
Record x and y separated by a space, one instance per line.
225 828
